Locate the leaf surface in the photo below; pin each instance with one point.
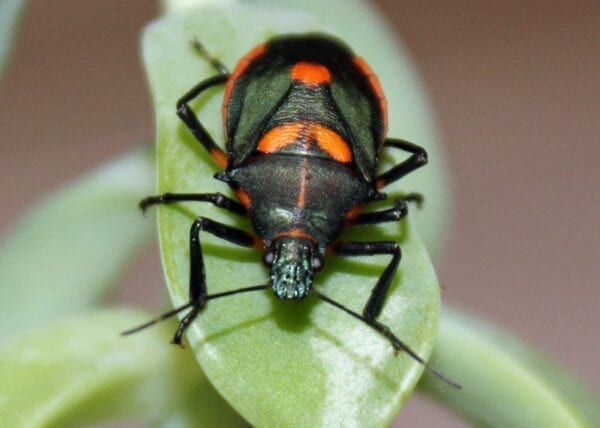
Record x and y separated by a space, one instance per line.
10 15
506 383
278 361
78 371
66 253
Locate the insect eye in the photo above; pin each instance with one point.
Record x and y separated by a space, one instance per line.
317 264
268 258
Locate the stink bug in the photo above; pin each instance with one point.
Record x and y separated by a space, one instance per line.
305 122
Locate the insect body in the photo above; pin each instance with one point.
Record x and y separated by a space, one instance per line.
305 122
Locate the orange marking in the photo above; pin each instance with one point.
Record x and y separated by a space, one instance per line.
331 143
379 184
328 140
280 136
295 233
331 248
243 197
259 243
376 86
311 73
302 195
353 212
220 157
239 69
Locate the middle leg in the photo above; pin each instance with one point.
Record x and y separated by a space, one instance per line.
418 158
398 212
217 199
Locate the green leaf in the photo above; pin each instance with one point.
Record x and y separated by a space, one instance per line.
277 361
10 14
64 254
78 371
505 382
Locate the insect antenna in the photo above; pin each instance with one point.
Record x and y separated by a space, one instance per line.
396 343
190 304
160 318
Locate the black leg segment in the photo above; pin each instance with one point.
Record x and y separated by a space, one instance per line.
379 292
398 212
384 330
375 303
203 52
197 292
217 199
187 115
417 159
220 230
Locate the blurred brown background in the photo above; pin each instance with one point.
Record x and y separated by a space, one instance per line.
516 89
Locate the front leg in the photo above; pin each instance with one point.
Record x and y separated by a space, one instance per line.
197 287
375 303
378 294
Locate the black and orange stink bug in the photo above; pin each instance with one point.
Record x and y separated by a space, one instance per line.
305 122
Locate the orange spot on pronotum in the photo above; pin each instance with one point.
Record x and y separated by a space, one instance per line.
310 73
353 212
295 233
301 202
243 197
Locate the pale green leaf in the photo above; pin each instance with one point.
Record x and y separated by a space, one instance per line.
78 371
505 382
274 361
10 14
65 254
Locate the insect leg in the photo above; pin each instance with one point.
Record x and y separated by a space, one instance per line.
399 211
385 331
197 287
203 52
198 292
187 115
375 303
417 159
217 199
379 292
